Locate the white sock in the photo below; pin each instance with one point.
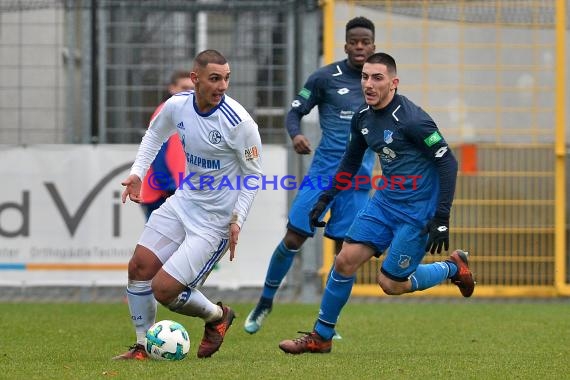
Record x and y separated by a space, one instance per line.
193 303
142 305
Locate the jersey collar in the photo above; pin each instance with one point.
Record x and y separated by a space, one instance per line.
210 111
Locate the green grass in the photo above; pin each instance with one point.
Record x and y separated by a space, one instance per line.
380 341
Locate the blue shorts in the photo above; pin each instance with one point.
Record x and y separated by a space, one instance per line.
380 229
343 208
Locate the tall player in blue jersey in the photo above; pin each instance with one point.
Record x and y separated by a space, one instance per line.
335 90
410 215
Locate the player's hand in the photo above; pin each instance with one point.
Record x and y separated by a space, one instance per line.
132 189
234 234
318 210
438 233
301 144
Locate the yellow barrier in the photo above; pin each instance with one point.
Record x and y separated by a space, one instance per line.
492 75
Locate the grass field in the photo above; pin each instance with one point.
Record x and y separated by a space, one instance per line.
380 341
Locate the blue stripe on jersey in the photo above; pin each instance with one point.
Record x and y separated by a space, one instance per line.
228 116
230 113
210 264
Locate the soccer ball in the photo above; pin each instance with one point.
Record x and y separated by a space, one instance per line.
167 340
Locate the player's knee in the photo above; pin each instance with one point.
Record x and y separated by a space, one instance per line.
139 270
344 265
293 241
143 266
135 269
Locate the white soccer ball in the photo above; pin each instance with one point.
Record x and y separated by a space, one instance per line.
167 340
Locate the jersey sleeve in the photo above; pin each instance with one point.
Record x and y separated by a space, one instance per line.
159 130
429 140
246 142
304 102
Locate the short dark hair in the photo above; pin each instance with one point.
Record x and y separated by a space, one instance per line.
209 56
360 22
384 59
177 75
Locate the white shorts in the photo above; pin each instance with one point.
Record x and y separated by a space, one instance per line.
187 254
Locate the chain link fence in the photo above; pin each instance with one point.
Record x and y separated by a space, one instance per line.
92 71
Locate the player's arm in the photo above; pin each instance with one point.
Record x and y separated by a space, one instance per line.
246 142
303 103
429 139
160 128
348 167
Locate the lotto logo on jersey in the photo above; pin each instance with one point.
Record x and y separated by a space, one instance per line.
251 153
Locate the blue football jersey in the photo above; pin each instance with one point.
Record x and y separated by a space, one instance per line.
410 147
337 92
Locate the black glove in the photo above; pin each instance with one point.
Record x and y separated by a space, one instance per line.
438 230
318 210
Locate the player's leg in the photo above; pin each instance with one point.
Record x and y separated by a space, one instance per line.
335 296
402 271
367 237
298 230
279 265
344 209
142 304
176 287
153 249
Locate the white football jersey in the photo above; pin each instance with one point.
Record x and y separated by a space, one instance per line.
223 155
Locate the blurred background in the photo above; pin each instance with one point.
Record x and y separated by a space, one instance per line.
80 79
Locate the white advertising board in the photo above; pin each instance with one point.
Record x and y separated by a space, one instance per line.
62 221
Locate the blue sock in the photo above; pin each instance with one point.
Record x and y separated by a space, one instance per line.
429 275
335 297
279 265
452 268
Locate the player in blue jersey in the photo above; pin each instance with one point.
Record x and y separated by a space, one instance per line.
335 90
409 213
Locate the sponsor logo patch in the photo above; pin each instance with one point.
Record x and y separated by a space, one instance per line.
304 93
346 115
251 153
432 139
387 155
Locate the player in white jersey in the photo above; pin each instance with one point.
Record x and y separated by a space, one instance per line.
193 229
